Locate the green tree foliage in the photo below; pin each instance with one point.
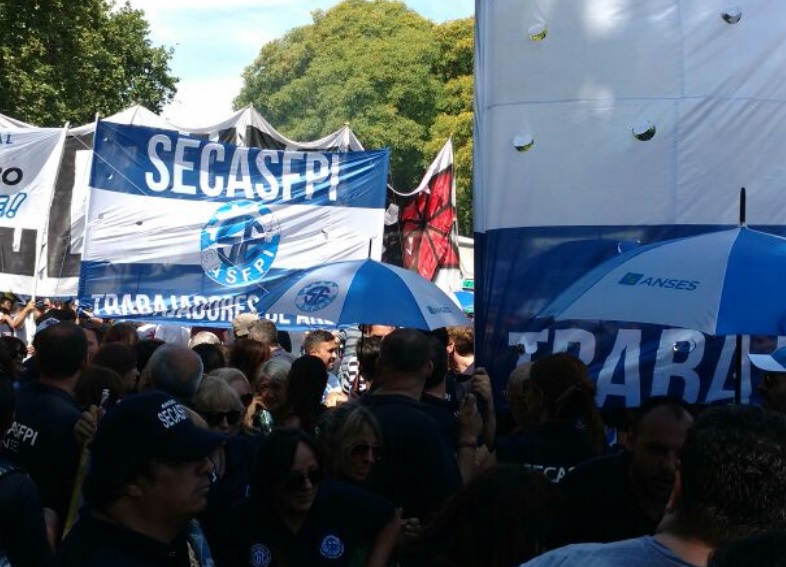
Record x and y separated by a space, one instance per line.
65 60
399 80
454 108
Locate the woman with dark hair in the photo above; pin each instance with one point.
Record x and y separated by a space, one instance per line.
99 386
122 359
212 356
562 424
295 518
305 387
368 356
123 333
501 518
348 442
247 356
144 350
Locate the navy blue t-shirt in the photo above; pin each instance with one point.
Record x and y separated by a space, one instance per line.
444 413
599 503
94 542
418 470
552 448
340 528
22 531
233 486
42 441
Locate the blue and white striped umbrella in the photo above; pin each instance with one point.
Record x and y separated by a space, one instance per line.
731 282
364 291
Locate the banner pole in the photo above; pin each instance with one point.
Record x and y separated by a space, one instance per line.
43 234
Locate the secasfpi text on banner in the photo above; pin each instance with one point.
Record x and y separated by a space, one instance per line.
183 229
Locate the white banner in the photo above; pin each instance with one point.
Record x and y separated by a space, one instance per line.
29 159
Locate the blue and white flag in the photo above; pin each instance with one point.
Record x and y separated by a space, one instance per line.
29 159
184 229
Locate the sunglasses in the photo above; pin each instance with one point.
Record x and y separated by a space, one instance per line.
215 418
246 399
296 481
363 449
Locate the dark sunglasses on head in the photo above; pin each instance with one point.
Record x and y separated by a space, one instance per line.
246 399
297 480
363 449
214 418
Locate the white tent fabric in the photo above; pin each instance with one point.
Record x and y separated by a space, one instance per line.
247 127
8 122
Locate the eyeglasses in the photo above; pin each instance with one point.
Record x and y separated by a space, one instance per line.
246 399
214 418
297 480
362 449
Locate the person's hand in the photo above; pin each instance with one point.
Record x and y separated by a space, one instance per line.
469 420
85 427
219 459
480 384
336 398
410 527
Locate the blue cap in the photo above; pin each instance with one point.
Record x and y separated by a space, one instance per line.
775 362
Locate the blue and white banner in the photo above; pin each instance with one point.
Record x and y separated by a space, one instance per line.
29 159
604 126
184 229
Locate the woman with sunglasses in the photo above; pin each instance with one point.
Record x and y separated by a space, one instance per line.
238 381
219 405
296 518
348 442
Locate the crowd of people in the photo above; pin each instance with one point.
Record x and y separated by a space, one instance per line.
141 445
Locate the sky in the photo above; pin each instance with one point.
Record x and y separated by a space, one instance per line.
215 40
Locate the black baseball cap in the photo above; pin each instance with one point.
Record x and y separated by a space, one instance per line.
152 425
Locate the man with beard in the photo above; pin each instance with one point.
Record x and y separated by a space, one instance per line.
731 484
772 387
624 495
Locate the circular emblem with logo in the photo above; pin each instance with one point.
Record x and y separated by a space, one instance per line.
260 555
239 243
331 547
316 296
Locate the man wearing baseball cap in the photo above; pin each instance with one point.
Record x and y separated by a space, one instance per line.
150 473
772 387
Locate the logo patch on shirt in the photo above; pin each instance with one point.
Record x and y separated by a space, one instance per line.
260 555
332 547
